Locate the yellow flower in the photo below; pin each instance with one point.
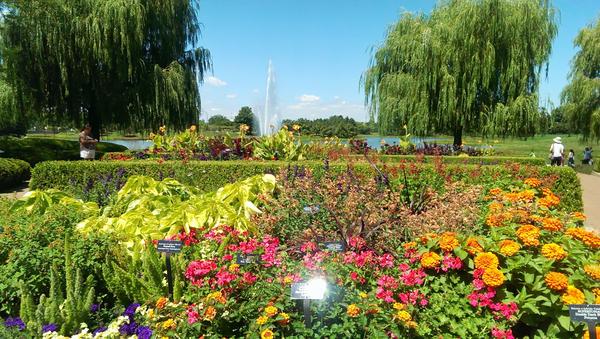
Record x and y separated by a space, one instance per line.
486 260
233 267
296 127
287 279
244 128
399 306
151 136
473 246
448 241
403 316
162 129
579 216
168 324
430 260
271 311
266 334
262 320
556 281
353 311
553 251
363 295
150 313
193 128
509 247
573 296
285 318
161 302
493 277
552 224
593 271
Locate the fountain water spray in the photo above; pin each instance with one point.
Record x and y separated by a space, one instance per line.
269 122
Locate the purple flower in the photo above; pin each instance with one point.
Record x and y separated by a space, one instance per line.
14 322
49 328
94 308
143 332
100 330
128 329
130 311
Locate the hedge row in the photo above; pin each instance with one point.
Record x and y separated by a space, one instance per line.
13 172
99 179
35 150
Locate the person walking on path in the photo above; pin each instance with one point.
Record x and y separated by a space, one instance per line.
571 159
87 144
557 152
587 156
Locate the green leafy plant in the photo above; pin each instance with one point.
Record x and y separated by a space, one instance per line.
280 146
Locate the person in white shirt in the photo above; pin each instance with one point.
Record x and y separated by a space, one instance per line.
557 152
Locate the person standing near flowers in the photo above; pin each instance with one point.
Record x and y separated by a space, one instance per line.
87 144
557 152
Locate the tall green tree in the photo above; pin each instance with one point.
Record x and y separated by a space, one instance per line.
469 66
580 99
114 63
245 116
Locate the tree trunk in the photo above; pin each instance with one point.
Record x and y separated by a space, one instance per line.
94 120
457 136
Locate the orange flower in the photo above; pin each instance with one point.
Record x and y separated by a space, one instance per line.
593 271
529 235
285 319
448 241
586 334
573 296
262 320
552 224
549 200
512 197
495 206
498 219
161 302
473 246
553 251
533 182
428 236
588 238
409 245
493 277
353 311
508 247
578 216
430 260
495 191
556 281
526 196
486 260
210 313
403 316
266 334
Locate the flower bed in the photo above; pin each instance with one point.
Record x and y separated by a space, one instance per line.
412 266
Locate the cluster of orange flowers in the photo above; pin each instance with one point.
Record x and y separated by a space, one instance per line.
533 182
509 247
589 238
529 235
488 262
554 252
353 311
552 224
549 200
430 260
448 241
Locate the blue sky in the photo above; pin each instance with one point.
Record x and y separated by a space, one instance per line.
320 48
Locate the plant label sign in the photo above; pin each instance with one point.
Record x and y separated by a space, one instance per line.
589 313
313 289
334 246
246 259
169 246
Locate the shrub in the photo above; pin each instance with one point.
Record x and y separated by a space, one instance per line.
35 150
98 180
13 172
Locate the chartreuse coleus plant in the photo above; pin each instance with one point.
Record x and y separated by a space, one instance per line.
146 209
280 146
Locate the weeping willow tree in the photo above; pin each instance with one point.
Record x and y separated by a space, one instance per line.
581 97
114 63
470 66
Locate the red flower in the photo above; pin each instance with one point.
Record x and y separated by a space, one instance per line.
386 260
196 270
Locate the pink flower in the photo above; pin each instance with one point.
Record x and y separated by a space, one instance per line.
364 258
413 277
227 257
451 263
403 267
385 295
248 247
224 277
249 278
196 270
192 315
354 276
308 246
357 242
385 281
413 297
500 334
386 260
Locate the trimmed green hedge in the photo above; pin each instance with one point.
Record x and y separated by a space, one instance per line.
35 150
97 180
13 172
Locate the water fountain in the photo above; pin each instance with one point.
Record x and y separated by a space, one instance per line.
269 121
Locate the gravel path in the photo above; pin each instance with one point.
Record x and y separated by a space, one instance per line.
590 185
15 193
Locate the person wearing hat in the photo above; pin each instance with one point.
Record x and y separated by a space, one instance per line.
557 152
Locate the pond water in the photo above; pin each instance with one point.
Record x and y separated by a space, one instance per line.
133 144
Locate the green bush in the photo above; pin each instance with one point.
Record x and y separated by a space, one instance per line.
98 180
35 150
13 172
30 244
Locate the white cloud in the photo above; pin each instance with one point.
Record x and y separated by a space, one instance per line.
215 82
255 91
214 109
336 97
318 109
309 98
231 96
